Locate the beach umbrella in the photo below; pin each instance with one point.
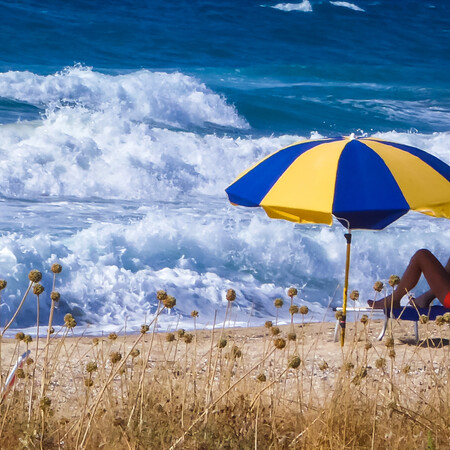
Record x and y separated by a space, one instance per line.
365 183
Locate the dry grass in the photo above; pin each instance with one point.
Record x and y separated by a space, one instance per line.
257 389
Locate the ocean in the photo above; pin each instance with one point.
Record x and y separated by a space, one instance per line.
122 123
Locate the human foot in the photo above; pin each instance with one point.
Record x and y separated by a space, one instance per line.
379 304
384 303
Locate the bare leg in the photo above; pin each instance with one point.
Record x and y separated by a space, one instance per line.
424 300
437 276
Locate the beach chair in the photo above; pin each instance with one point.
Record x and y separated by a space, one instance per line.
406 313
413 314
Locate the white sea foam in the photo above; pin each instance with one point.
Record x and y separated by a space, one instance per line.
172 99
77 152
112 270
129 208
348 5
304 6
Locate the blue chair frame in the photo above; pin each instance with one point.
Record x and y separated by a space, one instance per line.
406 313
413 314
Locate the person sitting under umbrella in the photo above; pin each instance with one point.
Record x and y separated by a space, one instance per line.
437 276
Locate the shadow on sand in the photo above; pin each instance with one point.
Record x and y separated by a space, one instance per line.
427 343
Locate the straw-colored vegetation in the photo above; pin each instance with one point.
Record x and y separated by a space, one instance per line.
278 386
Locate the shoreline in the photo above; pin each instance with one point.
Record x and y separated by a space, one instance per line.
321 332
326 316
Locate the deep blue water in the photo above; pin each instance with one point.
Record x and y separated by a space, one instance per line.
286 71
121 124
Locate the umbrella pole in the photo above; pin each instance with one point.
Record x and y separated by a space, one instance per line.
342 321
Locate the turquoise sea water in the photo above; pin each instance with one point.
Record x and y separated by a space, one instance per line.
121 124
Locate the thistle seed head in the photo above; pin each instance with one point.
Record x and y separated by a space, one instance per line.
268 324
394 280
275 331
88 382
367 345
188 338
231 295
261 378
323 366
292 336
423 318
222 343
378 286
161 295
68 317
95 341
20 373
30 361
135 353
294 362
339 315
55 296
3 284
169 302
392 353
380 363
279 343
389 342
278 302
181 332
144 328
27 339
38 289
447 317
194 313
35 276
292 292
115 357
293 309
364 319
170 337
354 295
236 352
20 336
348 366
440 320
112 336
69 321
304 310
56 268
44 403
91 367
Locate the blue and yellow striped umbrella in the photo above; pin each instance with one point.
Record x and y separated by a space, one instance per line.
365 183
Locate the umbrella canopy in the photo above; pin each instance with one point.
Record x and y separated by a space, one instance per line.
365 183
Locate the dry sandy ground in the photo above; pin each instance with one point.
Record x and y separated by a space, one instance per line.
314 344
